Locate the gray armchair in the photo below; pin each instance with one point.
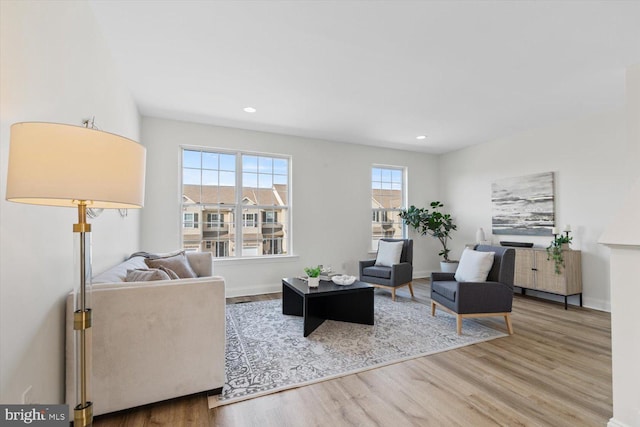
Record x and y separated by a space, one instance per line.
478 299
393 277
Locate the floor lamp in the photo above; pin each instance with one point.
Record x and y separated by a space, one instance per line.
71 166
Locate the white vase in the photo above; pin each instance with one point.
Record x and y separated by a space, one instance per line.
314 282
480 237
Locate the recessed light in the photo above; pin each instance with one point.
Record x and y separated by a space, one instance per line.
421 137
250 110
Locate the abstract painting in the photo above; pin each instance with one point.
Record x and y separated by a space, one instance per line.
523 205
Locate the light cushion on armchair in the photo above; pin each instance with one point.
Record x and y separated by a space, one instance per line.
388 253
474 266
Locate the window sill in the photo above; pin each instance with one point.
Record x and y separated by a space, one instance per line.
266 259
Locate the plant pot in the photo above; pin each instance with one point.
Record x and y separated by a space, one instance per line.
314 282
449 266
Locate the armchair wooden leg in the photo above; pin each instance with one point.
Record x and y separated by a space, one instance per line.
507 320
459 324
411 289
393 294
433 308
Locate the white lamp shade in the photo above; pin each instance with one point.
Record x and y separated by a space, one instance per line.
59 165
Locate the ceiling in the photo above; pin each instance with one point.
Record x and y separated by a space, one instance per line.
375 72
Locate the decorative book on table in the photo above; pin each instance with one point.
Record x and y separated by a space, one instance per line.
327 276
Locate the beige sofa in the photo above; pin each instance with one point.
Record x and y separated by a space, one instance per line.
152 341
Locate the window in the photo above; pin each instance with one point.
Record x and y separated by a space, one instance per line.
190 220
243 199
250 220
214 220
380 216
387 200
269 216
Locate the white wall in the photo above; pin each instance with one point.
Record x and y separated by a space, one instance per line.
326 177
54 67
623 237
588 159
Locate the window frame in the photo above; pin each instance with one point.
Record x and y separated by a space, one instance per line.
385 213
250 219
194 221
237 209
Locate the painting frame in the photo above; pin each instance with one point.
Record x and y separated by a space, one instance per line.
523 205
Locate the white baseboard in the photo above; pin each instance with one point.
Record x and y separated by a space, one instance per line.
421 274
593 303
615 423
269 288
596 304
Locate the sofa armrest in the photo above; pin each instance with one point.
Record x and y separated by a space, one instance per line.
152 341
201 263
440 276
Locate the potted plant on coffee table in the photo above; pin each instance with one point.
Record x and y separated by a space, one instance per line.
430 221
313 276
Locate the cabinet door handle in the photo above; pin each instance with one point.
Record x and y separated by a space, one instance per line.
534 269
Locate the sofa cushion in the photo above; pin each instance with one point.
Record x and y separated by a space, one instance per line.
389 253
375 271
146 275
119 272
172 274
447 290
474 266
178 263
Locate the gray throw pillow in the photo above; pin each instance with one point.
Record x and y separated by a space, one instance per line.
172 274
178 263
142 275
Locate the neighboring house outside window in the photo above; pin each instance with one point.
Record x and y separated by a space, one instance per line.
387 200
249 219
190 220
242 199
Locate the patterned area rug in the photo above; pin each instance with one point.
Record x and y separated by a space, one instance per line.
267 353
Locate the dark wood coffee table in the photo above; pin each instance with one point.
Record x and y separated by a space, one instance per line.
352 303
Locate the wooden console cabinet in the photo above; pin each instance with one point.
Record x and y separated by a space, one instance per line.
534 271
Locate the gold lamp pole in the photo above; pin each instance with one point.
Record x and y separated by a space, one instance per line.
83 411
71 166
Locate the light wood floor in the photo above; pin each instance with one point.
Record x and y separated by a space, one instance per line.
554 371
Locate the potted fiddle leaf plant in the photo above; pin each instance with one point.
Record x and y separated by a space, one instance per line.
554 250
313 276
432 222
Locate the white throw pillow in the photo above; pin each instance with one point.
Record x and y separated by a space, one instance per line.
474 266
389 253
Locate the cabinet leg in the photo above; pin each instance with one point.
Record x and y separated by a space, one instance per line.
580 299
565 302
